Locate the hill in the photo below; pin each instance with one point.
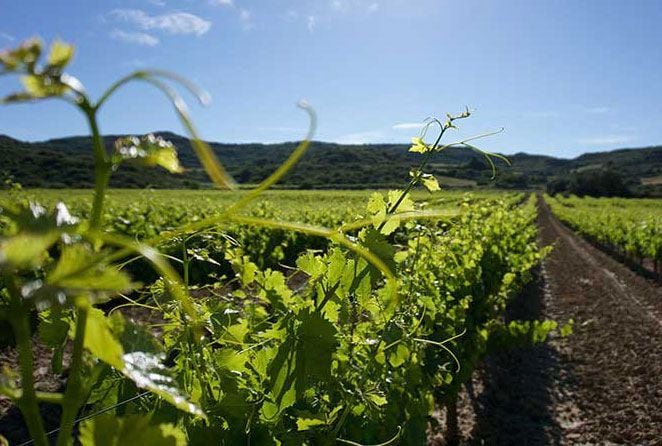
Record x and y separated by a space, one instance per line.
67 162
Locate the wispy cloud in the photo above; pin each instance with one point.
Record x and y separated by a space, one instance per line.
7 37
354 6
245 15
138 38
173 23
597 110
605 140
311 23
541 114
246 18
338 5
291 15
408 126
360 137
134 63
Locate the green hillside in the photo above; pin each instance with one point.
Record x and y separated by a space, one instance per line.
67 162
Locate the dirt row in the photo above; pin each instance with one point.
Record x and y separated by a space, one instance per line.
603 384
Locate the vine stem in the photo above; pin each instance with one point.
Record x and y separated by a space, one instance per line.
74 392
102 166
28 399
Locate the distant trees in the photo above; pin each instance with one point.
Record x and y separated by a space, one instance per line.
601 182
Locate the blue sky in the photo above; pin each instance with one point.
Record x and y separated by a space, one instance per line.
562 77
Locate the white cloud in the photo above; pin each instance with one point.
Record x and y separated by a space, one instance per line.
311 22
605 140
134 37
360 137
408 126
223 2
173 23
8 37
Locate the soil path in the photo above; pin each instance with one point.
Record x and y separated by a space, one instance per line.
615 353
603 384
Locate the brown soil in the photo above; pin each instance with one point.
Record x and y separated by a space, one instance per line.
602 385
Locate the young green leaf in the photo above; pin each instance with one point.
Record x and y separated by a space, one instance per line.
419 146
304 424
149 150
77 270
23 57
430 182
100 340
147 372
109 430
26 250
60 54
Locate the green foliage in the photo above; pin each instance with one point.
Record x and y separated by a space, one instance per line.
392 311
631 227
107 430
594 182
39 82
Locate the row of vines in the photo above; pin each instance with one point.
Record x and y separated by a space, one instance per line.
629 227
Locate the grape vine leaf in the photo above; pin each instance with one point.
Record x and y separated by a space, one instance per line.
108 430
147 371
149 150
100 340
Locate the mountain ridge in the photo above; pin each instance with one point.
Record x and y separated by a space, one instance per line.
67 162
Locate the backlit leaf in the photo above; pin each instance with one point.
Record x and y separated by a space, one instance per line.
24 57
304 424
149 150
60 54
419 146
76 270
109 430
100 340
147 371
430 182
26 250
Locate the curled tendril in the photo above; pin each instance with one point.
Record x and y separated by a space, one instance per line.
442 345
395 438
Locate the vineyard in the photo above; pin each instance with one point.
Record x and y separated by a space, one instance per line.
272 317
313 343
631 228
